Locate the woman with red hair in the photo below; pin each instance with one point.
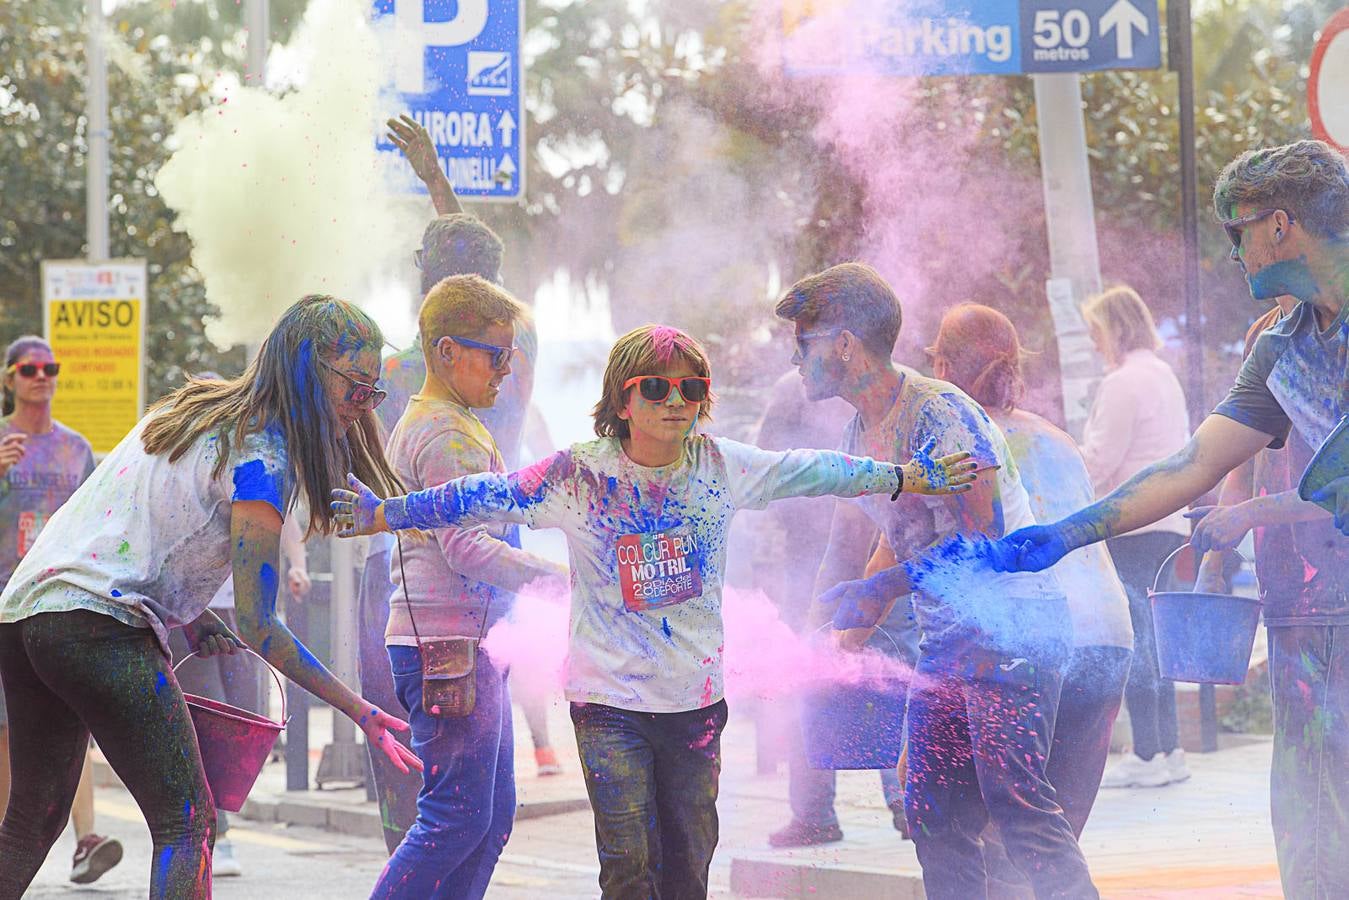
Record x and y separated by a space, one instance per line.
977 349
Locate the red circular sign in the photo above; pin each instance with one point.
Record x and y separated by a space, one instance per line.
1328 86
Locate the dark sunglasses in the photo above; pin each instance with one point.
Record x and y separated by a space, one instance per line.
501 356
360 393
802 345
656 388
1236 227
30 370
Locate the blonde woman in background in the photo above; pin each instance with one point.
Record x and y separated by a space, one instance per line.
1138 418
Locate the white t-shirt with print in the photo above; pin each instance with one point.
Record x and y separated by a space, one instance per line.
647 548
146 540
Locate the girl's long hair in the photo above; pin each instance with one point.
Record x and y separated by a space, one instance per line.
282 388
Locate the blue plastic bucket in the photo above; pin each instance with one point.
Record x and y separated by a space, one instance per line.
855 726
1204 638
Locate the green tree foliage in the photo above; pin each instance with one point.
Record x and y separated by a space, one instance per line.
161 60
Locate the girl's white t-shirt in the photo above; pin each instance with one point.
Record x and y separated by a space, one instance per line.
647 548
146 540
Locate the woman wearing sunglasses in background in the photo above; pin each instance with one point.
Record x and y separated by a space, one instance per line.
646 509
195 492
42 462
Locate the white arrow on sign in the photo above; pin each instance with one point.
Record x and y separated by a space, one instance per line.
507 126
505 170
1123 18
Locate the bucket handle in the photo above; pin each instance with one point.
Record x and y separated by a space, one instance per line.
1176 552
874 628
285 720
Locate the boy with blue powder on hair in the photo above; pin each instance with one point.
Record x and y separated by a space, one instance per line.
646 509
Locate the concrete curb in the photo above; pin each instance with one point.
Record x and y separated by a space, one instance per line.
756 876
312 810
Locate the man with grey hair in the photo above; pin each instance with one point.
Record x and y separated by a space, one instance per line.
1286 210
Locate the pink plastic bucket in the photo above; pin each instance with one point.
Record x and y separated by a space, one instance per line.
234 743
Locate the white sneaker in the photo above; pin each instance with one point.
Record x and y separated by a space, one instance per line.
1175 765
1134 772
223 863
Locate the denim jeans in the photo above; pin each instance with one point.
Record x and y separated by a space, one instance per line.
66 675
652 780
980 725
467 803
1309 777
1150 697
1088 704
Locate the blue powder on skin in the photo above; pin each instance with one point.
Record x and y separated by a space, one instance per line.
1287 276
160 681
116 593
665 627
252 481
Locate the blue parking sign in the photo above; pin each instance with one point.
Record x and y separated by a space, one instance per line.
457 70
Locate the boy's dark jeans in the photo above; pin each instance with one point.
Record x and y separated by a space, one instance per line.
652 780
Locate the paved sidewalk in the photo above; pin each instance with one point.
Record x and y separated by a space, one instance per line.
1208 838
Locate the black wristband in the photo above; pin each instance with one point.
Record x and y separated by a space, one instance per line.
899 475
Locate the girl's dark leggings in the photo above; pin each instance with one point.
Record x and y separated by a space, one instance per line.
70 674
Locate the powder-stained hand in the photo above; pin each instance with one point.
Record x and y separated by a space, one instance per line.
857 604
951 474
1030 549
357 511
1335 495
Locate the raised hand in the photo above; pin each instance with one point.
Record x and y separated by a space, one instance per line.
415 142
11 450
952 474
357 511
408 135
377 724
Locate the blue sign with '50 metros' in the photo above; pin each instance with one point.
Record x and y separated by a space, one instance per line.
969 37
457 70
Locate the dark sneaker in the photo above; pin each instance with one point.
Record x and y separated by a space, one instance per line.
799 834
94 855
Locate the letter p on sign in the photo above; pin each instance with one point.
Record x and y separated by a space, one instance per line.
415 34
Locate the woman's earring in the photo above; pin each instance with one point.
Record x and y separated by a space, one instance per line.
847 357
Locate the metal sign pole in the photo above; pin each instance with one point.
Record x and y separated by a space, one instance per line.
1181 58
96 109
1070 219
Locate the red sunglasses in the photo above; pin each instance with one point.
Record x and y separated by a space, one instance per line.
656 388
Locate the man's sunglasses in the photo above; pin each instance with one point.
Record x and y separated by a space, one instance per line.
1235 227
656 388
30 370
501 356
359 393
802 347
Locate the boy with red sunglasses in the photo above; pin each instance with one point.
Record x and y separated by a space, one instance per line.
646 509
